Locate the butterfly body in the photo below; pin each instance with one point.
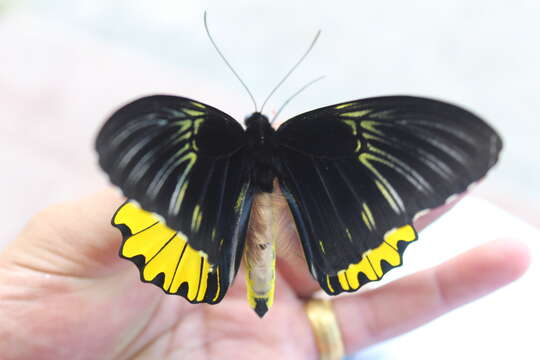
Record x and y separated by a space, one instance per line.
354 176
261 145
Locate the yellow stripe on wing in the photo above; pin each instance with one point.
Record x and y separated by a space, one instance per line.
371 265
166 253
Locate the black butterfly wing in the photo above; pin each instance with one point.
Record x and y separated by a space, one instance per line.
182 164
356 174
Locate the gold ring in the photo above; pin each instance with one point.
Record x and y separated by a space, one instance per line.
326 329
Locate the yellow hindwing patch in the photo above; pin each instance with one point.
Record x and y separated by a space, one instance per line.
371 264
168 253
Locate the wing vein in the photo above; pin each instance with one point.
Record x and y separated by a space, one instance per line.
178 263
327 191
204 189
347 182
160 249
146 228
222 193
200 277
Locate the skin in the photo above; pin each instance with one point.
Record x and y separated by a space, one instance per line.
65 294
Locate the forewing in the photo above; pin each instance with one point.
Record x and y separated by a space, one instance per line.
356 174
182 164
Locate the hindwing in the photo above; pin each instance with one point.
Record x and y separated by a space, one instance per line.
183 166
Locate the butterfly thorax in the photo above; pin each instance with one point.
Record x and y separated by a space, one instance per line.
261 144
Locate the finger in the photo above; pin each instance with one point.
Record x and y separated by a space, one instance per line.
292 263
414 300
73 236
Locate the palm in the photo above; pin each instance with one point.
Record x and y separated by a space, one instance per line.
65 294
175 329
232 330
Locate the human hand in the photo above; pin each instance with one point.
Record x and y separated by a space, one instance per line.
65 294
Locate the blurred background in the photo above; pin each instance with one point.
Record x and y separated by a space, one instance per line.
66 65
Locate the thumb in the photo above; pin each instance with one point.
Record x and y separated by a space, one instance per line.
74 238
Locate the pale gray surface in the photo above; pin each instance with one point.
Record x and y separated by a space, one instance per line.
65 65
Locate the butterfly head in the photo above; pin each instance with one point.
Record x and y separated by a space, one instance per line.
256 120
259 130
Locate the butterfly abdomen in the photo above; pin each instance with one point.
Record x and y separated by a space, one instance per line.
261 151
260 253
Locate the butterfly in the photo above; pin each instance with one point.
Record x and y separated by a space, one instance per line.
354 175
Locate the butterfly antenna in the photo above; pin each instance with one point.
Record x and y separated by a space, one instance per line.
293 68
294 95
228 64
